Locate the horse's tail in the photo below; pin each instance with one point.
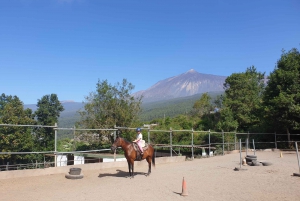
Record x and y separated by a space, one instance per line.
153 157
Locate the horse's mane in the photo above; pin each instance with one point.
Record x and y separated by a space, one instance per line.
125 140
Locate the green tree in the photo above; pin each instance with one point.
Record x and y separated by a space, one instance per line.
204 110
218 102
110 105
243 96
47 114
15 138
282 95
182 122
202 106
227 122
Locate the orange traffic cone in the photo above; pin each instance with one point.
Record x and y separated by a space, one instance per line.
184 190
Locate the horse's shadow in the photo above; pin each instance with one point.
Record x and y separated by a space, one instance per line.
120 173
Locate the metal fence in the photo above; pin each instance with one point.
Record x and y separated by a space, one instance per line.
196 142
224 141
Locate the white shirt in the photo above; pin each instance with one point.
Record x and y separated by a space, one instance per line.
139 136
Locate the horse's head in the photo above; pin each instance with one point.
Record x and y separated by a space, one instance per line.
116 144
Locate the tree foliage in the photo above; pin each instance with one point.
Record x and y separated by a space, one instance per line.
110 105
202 106
24 138
49 109
227 122
13 138
243 99
282 95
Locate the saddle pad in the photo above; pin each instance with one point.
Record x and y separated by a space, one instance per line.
143 143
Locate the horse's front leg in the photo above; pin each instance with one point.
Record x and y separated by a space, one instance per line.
129 168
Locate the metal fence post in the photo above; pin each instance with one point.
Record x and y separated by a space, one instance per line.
115 136
296 145
171 142
240 153
223 142
208 142
74 134
235 141
247 143
55 144
246 146
275 141
192 143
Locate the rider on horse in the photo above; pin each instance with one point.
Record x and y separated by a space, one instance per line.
139 138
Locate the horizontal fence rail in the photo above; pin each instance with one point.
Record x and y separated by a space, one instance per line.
214 142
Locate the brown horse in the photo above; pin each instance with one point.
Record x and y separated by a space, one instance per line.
131 154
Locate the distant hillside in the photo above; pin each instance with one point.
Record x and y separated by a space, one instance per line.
171 108
150 111
186 84
67 118
167 98
69 106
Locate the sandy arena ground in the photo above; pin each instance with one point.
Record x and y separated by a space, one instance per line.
206 179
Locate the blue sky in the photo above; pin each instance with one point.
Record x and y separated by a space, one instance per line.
66 46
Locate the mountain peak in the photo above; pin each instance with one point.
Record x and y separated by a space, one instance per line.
185 84
191 71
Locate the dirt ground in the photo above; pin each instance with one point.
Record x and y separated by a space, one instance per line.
211 178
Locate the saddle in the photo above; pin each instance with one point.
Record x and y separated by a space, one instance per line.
138 151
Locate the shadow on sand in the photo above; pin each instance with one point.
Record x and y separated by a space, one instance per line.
120 173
